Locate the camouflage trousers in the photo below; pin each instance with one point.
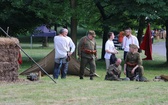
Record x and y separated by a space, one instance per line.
138 71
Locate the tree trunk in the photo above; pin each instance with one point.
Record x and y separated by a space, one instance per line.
55 28
74 26
105 32
105 27
166 41
45 42
140 29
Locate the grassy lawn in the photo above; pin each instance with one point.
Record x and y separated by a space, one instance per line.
72 91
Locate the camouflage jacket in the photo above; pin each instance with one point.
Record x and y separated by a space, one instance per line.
86 44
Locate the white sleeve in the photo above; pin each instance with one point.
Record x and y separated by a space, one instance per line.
123 42
106 46
54 41
136 41
72 45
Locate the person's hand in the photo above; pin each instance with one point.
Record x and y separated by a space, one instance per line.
79 56
69 53
132 71
96 57
124 72
116 52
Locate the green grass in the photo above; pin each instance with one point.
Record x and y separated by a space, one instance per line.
72 91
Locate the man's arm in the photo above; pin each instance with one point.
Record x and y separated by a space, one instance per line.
123 42
125 66
72 45
80 47
136 41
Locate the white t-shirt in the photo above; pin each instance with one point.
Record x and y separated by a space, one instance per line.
62 46
109 46
127 41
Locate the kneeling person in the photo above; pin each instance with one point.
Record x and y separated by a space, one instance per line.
114 71
133 68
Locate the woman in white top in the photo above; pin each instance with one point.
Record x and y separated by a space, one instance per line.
109 49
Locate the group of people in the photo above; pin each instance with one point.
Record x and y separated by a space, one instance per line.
87 53
133 68
64 47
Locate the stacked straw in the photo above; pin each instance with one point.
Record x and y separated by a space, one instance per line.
9 53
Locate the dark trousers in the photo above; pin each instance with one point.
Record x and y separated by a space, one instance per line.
138 71
125 53
84 62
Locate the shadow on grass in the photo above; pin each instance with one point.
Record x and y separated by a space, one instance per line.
155 65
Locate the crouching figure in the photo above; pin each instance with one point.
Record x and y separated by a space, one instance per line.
133 68
114 71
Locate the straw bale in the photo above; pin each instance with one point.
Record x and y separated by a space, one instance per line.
9 41
9 59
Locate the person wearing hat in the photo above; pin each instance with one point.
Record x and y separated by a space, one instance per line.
133 63
128 39
87 53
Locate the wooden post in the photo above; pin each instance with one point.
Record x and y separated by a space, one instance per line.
39 75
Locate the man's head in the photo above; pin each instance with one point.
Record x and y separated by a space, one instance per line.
133 47
64 31
118 61
110 35
91 34
127 31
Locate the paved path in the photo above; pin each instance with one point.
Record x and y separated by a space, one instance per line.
159 48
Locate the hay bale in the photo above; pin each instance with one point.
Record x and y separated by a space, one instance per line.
9 53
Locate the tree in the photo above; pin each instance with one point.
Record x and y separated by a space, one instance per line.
74 24
25 15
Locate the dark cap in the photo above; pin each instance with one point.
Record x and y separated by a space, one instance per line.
133 46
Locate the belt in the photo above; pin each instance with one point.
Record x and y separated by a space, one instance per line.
89 51
131 64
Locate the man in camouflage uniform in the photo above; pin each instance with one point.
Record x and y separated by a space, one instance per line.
87 53
133 64
114 71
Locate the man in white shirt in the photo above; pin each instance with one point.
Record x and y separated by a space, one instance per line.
127 40
109 49
64 47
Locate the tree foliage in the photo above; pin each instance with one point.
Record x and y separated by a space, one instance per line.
100 15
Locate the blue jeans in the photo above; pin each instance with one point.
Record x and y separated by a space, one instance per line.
60 65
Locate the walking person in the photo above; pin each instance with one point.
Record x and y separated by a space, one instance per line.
127 40
64 47
110 50
87 53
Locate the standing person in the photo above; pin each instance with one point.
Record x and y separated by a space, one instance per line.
120 36
127 40
133 63
64 47
87 53
109 49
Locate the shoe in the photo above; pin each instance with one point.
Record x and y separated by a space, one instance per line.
63 77
55 78
91 78
81 77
